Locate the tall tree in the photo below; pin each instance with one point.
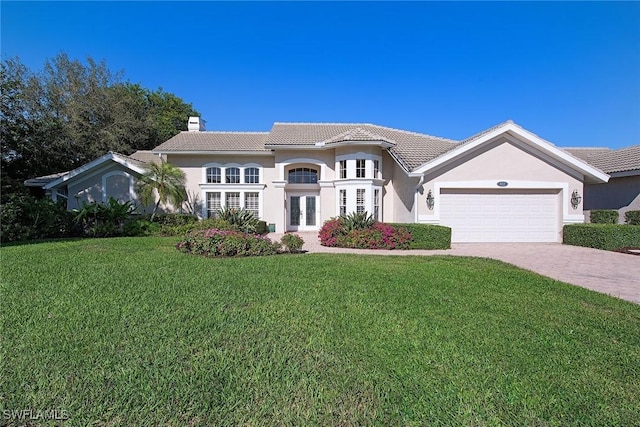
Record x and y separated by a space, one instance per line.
161 183
72 112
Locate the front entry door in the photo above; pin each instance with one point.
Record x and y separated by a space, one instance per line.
303 213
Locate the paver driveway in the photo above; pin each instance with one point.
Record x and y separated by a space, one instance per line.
611 273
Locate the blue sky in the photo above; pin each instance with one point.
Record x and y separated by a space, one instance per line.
569 72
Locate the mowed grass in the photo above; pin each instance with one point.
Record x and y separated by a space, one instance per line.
132 332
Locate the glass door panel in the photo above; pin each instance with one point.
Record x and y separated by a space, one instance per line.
310 211
294 211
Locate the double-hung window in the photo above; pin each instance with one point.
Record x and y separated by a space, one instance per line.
343 169
360 200
361 168
214 203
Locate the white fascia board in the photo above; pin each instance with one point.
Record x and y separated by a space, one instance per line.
92 164
530 138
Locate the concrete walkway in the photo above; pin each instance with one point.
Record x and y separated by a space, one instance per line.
611 273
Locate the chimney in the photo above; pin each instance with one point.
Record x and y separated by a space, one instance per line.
195 124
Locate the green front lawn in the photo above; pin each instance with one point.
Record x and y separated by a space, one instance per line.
131 332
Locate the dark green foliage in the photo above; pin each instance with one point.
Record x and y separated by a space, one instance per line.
24 217
357 221
181 230
226 243
604 217
171 219
428 236
292 242
632 217
262 227
104 219
602 236
241 219
72 112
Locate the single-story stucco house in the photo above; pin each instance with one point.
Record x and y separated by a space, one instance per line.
504 184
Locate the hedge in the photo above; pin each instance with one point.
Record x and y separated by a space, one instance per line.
602 236
632 217
428 236
604 217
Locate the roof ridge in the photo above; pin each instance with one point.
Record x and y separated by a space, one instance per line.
366 124
414 133
585 148
235 132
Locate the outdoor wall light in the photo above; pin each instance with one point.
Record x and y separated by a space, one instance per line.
575 199
430 200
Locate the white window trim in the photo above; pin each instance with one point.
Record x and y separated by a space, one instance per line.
351 158
223 172
282 167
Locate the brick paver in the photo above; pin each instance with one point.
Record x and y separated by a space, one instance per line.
611 273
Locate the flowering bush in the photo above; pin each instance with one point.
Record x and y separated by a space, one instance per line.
214 242
377 236
330 231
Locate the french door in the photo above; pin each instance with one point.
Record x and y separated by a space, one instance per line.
303 212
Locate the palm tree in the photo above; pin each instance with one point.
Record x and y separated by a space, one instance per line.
164 179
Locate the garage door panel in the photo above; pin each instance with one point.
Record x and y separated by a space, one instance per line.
500 216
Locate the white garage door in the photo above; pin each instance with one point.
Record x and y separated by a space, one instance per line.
501 215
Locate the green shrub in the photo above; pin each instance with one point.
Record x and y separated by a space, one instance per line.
173 219
241 219
604 217
292 242
181 230
602 236
428 236
632 217
262 227
24 217
138 227
227 243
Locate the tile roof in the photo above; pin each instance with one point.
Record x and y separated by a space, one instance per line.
411 149
215 141
144 156
610 161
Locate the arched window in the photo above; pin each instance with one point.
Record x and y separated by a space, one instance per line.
232 176
303 176
213 175
251 176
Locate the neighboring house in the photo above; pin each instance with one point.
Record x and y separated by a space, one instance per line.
112 175
622 192
504 184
